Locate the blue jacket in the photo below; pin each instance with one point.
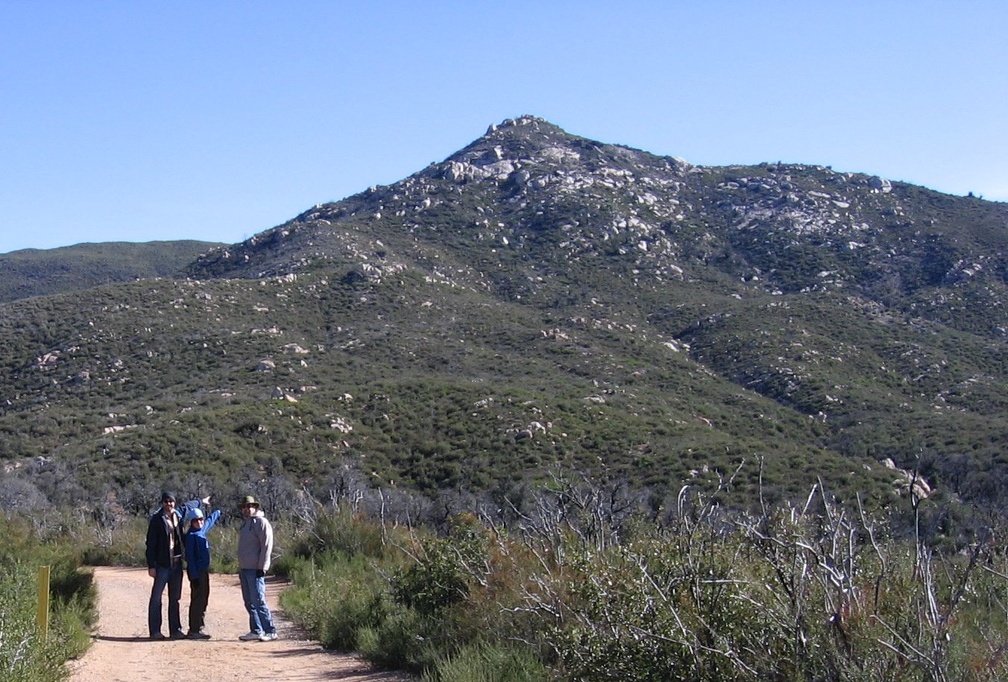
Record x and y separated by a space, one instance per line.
197 547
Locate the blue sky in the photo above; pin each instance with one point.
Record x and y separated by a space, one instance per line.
140 121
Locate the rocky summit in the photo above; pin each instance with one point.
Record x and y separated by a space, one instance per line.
527 188
540 303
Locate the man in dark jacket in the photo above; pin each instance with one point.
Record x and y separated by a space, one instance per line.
164 564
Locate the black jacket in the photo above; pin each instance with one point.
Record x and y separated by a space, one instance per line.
157 541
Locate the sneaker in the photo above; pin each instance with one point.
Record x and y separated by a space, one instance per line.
157 636
250 636
178 634
267 636
198 634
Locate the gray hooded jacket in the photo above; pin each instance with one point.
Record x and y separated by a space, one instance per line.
255 543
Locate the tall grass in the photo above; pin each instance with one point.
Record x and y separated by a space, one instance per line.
485 662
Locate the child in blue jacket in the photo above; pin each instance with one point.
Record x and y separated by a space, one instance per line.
197 552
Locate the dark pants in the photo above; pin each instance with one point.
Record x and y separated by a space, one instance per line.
199 596
172 579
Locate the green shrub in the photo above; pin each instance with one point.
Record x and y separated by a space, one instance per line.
444 570
342 532
24 655
435 582
335 598
789 594
399 641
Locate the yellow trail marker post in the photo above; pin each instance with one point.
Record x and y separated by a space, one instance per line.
43 602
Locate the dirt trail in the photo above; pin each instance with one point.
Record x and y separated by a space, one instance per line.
121 651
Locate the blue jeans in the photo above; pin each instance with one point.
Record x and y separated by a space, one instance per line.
172 579
254 593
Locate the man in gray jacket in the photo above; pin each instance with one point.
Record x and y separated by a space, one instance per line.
255 546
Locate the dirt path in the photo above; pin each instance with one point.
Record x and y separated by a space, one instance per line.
121 651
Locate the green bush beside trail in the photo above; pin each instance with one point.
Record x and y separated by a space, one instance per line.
25 656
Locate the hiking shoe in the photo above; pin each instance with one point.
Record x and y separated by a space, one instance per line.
250 636
198 634
267 636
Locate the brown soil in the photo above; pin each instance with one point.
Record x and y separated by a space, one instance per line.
122 652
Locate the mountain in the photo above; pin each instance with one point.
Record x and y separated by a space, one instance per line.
542 302
40 272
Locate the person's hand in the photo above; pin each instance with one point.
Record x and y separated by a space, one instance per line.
152 572
260 574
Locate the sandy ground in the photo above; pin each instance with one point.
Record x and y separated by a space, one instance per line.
122 652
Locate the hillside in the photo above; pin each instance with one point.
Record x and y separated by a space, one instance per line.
539 301
40 272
